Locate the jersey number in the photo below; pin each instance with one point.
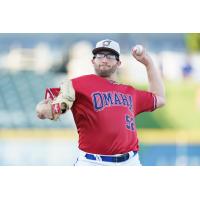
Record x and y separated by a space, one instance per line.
130 123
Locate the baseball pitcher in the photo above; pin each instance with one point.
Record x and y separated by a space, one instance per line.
104 110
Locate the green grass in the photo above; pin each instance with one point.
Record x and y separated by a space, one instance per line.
181 110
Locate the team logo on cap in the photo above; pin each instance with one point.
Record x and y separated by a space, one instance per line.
106 43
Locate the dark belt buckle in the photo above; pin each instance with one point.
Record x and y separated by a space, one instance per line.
125 157
121 158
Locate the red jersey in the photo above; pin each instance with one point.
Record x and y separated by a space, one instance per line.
104 113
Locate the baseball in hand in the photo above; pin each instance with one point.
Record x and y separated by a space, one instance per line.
138 49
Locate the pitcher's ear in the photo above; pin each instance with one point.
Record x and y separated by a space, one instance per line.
119 62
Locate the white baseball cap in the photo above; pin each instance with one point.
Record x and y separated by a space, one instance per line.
107 44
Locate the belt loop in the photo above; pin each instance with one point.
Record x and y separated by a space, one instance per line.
132 153
98 157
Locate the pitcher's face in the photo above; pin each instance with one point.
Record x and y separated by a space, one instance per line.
105 63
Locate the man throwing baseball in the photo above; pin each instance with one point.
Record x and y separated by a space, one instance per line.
104 110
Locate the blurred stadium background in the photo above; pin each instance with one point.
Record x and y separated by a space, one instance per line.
29 63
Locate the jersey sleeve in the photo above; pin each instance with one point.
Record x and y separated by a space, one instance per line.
144 101
76 85
80 84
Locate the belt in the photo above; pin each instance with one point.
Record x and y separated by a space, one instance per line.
120 158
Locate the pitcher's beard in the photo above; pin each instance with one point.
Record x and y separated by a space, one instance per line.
106 72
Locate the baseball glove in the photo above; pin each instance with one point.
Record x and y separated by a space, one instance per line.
57 101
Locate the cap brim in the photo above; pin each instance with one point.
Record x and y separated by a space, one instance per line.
96 50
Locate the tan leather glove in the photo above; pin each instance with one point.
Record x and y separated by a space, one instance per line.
55 105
